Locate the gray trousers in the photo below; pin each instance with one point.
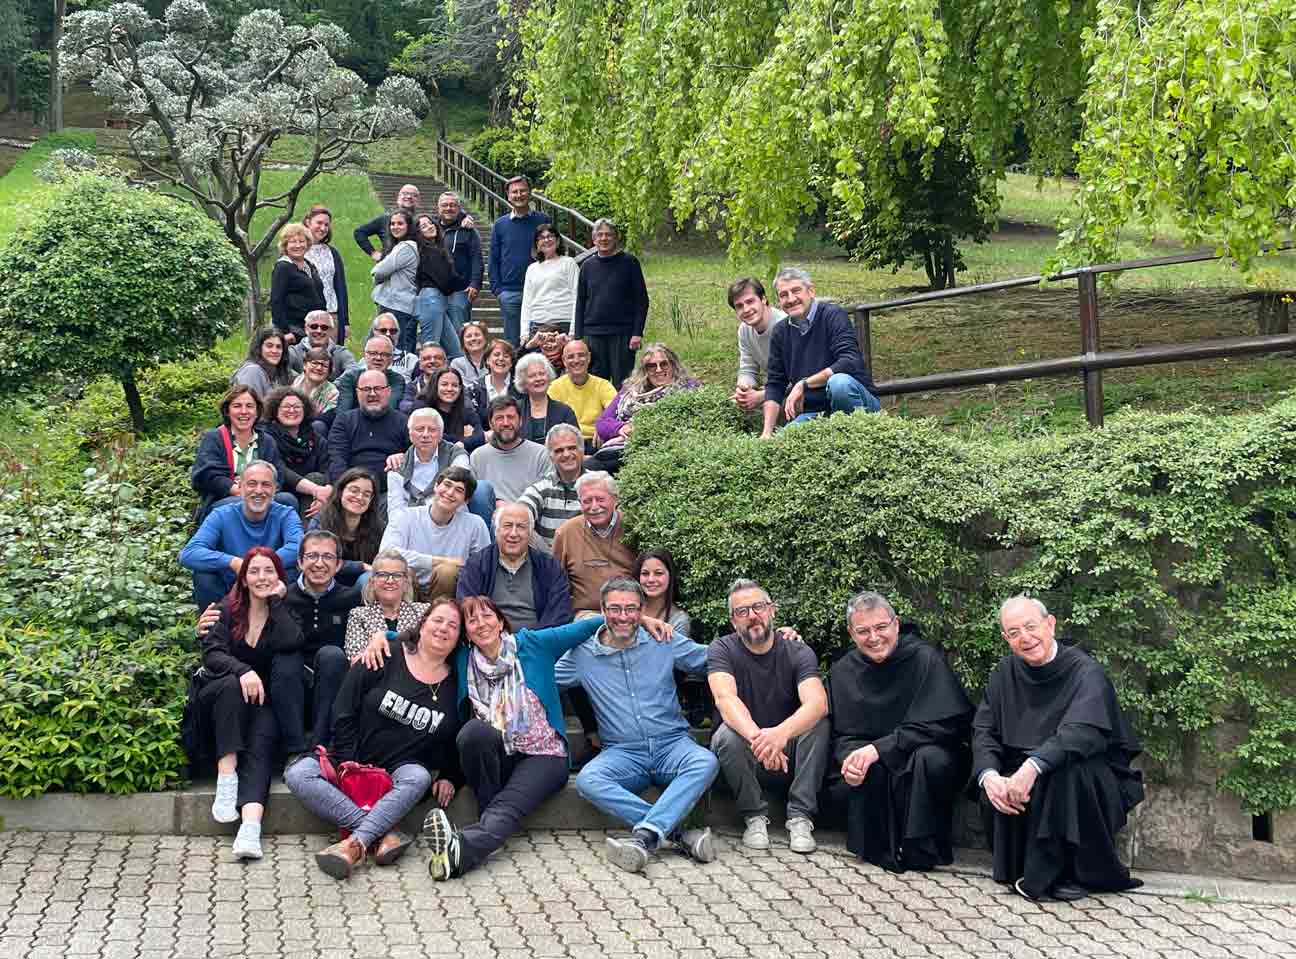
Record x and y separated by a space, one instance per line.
307 782
807 761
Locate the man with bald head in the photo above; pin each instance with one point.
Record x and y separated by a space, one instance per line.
408 198
526 583
367 435
900 724
1051 752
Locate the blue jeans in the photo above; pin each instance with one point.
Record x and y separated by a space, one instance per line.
510 302
434 326
306 781
613 779
459 310
483 504
407 338
845 395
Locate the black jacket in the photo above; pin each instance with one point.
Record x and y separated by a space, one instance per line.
549 584
293 294
323 620
213 472
222 656
359 440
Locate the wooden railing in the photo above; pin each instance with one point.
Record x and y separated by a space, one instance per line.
1092 359
485 189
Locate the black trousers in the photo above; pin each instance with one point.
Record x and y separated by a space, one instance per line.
610 357
508 789
330 665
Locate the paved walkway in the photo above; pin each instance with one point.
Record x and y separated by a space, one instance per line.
552 894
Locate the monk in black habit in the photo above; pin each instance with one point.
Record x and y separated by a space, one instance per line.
900 723
1051 755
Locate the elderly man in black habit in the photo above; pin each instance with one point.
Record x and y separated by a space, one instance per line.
1051 753
900 725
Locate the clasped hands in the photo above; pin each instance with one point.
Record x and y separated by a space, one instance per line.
1010 794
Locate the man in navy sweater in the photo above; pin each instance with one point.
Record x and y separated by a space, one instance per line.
815 364
512 239
611 305
216 551
366 436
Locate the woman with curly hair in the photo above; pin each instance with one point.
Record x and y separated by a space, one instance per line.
295 286
289 416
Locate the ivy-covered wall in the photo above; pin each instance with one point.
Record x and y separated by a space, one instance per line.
1163 543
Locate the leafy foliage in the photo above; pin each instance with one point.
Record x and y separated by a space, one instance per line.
1164 544
507 151
64 313
590 194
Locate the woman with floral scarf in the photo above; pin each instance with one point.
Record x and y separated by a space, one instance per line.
658 375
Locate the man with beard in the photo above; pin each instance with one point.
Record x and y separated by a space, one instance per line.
631 680
508 462
900 723
773 711
1051 752
365 437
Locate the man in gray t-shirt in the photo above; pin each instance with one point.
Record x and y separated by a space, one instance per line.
756 321
437 539
508 462
773 718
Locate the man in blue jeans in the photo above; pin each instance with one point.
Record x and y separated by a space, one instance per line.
815 363
631 682
512 240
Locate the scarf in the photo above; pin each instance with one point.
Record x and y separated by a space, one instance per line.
632 403
294 450
498 692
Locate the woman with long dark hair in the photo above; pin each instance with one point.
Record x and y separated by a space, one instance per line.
266 365
352 513
253 700
437 282
396 277
445 393
414 743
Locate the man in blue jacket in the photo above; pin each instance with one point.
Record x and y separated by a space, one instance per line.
464 247
216 551
512 237
815 364
528 585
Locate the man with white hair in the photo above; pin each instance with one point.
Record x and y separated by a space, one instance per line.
1051 752
527 584
410 475
552 499
815 363
320 330
590 547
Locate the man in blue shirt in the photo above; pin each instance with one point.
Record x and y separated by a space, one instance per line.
815 363
512 239
216 551
631 681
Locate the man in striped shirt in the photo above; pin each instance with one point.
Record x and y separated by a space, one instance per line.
552 500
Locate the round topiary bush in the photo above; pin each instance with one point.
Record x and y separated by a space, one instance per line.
106 279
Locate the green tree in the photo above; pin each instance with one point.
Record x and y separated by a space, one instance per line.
205 109
163 285
15 40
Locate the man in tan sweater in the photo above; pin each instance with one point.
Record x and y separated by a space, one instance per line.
589 547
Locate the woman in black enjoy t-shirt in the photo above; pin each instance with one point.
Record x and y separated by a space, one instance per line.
402 717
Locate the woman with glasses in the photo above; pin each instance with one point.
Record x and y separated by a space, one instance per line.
395 276
328 264
389 605
437 282
289 415
352 513
658 375
314 382
549 290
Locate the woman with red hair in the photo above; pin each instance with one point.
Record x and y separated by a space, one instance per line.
253 695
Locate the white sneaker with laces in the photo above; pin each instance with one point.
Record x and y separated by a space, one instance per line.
247 844
801 834
756 835
225 803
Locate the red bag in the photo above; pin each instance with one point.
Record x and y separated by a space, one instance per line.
364 785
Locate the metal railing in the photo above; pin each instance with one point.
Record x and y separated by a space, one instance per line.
1092 359
486 189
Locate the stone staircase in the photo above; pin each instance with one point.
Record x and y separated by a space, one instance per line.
386 185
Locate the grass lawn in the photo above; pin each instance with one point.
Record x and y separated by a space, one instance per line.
20 188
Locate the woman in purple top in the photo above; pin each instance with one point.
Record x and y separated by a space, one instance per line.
658 375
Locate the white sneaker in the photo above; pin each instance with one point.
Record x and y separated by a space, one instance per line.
756 835
225 805
247 844
801 833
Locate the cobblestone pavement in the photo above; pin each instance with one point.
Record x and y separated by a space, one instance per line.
552 894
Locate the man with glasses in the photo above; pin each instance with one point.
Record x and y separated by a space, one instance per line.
900 723
646 740
403 362
366 436
773 718
1051 751
378 353
319 336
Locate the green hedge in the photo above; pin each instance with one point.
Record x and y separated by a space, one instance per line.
1164 544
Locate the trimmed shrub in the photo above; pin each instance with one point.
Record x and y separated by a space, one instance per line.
1163 543
507 152
590 194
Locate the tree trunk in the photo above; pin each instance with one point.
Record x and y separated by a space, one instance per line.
1273 314
947 262
133 401
929 264
255 319
11 87
55 115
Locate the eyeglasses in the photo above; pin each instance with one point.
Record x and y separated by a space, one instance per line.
372 390
317 362
390 577
378 354
319 326
864 632
622 610
742 612
658 365
1017 632
320 557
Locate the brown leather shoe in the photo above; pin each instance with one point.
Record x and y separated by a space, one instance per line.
392 847
340 858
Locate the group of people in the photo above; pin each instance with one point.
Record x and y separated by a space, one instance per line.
411 560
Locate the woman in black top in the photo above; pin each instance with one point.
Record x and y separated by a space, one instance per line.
253 694
290 418
404 718
295 286
437 280
445 393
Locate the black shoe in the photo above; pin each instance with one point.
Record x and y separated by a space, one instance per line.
1066 892
1021 891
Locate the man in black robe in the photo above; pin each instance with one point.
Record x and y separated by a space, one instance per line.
900 725
1051 753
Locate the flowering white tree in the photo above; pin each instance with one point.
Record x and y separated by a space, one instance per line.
204 109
